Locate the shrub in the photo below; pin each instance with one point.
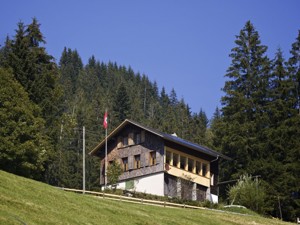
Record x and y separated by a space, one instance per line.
249 193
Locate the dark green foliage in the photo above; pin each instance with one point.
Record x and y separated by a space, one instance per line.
259 123
248 192
121 106
23 146
113 172
243 104
294 70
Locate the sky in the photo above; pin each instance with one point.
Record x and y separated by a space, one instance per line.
180 44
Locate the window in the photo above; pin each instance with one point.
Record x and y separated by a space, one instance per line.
129 184
198 167
175 159
152 158
125 164
190 165
182 162
120 142
168 157
131 140
125 141
204 169
137 161
137 138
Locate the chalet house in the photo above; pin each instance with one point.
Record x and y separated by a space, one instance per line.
161 164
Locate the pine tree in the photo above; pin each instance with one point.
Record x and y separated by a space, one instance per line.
24 147
121 105
294 70
70 66
289 131
4 53
244 100
34 68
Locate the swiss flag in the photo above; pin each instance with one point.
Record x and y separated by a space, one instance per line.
105 120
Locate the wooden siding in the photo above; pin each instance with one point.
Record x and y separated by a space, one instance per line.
149 143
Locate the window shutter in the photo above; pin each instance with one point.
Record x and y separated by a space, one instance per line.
119 160
131 162
146 159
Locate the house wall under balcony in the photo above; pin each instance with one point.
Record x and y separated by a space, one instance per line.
150 184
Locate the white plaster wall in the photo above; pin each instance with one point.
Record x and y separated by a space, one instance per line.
121 185
151 184
214 198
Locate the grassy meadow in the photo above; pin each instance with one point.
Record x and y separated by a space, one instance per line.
25 201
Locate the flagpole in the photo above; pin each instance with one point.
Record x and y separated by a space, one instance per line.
83 159
105 152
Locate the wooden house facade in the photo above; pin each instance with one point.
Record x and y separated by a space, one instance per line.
162 164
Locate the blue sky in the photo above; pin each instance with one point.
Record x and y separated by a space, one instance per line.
180 44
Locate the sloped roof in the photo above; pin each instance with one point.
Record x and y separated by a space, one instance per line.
164 136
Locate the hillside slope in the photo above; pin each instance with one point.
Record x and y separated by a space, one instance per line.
25 201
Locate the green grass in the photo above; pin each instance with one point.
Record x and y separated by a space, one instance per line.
24 201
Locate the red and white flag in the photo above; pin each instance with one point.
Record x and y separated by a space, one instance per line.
105 120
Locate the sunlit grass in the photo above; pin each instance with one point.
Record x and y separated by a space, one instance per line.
24 201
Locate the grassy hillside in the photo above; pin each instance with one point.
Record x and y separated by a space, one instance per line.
24 201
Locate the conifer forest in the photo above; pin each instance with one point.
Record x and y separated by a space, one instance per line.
45 102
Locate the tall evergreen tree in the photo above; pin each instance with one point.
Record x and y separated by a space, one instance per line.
294 70
245 96
121 107
23 145
70 66
291 163
34 68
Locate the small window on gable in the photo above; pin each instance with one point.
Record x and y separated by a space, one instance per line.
125 141
131 140
125 164
152 158
137 138
120 142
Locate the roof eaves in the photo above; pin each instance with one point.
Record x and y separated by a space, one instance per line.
93 152
123 124
147 128
165 136
196 147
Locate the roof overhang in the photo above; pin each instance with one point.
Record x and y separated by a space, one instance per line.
115 131
164 136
